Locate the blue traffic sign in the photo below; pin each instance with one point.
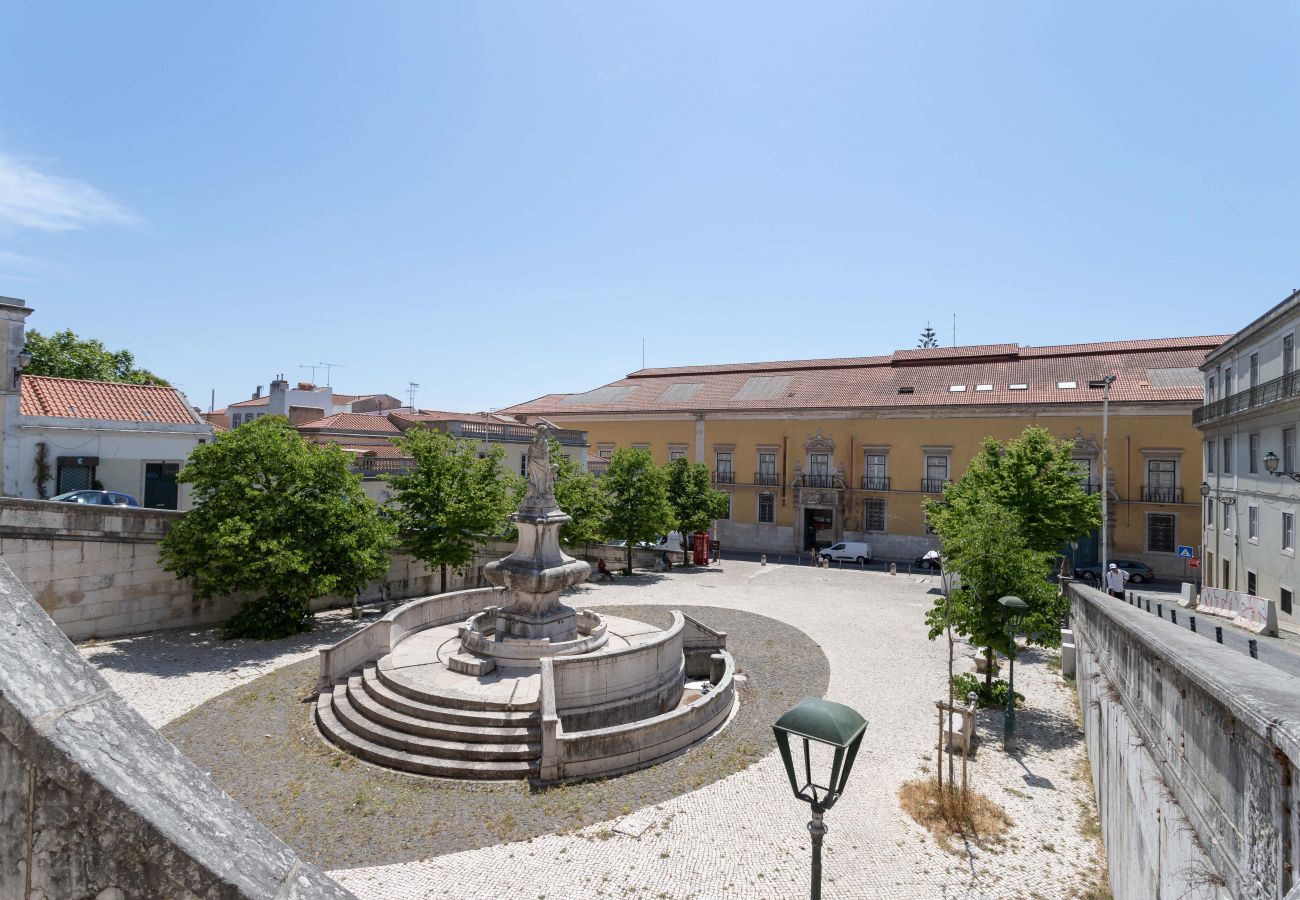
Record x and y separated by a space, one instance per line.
1186 552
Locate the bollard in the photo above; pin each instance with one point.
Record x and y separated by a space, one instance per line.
1148 604
1218 634
893 568
1173 615
1192 623
1254 649
1160 610
762 560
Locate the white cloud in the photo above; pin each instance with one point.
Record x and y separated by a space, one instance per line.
32 199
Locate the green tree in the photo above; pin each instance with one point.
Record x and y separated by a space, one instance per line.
452 500
1034 476
928 338
986 549
583 496
694 501
639 509
278 516
64 355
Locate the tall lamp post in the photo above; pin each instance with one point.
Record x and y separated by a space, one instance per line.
1015 608
1103 384
837 727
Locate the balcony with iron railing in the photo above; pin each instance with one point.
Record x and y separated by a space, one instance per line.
518 434
818 480
933 485
597 465
1090 487
767 478
375 466
1161 494
875 483
724 476
1266 394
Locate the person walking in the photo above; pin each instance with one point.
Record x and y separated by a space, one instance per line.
1116 578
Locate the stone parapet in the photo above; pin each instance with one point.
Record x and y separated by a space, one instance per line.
1194 751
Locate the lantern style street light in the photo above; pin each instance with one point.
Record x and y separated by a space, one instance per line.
1015 608
1271 462
837 727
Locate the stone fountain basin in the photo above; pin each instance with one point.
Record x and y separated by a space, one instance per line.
478 636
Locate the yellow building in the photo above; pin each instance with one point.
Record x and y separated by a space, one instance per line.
823 450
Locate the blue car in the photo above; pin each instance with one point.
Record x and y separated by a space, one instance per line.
97 498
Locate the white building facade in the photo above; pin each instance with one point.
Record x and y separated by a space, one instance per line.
1251 494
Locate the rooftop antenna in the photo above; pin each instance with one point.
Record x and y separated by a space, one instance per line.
411 388
643 353
312 368
328 368
954 329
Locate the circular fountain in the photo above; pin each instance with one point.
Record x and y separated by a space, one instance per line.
510 681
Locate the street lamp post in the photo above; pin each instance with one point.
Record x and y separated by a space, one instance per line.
1015 608
839 728
1104 384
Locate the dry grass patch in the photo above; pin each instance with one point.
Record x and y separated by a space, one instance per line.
949 817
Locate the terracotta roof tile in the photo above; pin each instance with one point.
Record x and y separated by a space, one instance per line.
256 401
74 398
352 422
931 377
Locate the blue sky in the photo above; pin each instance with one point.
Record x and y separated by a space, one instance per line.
500 200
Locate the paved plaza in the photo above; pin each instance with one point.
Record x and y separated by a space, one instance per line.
744 835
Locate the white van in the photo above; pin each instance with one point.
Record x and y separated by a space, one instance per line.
849 551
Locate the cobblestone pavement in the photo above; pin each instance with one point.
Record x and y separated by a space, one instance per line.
745 836
170 672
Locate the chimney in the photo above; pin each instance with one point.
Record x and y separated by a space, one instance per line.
277 403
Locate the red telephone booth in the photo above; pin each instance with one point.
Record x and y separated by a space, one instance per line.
701 548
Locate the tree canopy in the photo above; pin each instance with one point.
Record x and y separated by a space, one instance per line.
928 338
583 496
64 355
694 500
639 508
453 499
276 516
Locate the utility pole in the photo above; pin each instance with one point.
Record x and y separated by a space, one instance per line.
1104 383
411 388
328 369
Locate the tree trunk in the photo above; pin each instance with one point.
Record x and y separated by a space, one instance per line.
444 578
628 571
988 670
947 615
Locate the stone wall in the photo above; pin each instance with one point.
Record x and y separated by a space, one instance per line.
97 571
1194 751
94 803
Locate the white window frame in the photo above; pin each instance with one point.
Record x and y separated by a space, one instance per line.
1227 517
1252 524
758 508
1288 533
605 450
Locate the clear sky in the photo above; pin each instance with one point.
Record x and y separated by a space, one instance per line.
499 200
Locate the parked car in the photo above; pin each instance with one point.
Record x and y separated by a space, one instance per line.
852 551
930 560
1138 573
98 498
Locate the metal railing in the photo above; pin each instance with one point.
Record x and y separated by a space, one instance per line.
873 483
724 477
1091 487
933 485
372 466
494 431
1152 494
1265 394
766 478
819 481
597 465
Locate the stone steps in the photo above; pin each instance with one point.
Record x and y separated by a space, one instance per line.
482 750
377 712
392 679
433 712
418 762
469 664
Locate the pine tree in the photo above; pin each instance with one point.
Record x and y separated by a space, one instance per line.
928 338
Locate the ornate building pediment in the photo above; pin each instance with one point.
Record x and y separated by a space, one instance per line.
1083 446
819 444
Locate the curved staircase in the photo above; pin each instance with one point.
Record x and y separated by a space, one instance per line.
384 719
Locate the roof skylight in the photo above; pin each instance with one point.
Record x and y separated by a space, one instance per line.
1067 385
1017 387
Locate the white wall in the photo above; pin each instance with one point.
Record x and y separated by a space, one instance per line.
122 451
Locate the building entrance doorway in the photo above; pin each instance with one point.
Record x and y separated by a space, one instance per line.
160 485
818 528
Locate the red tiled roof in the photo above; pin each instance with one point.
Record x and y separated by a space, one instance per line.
930 375
437 415
74 398
384 451
352 422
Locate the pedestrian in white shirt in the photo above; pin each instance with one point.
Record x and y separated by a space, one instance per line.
1116 578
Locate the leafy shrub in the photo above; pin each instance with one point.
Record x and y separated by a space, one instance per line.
985 695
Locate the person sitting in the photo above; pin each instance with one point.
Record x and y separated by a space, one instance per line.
602 570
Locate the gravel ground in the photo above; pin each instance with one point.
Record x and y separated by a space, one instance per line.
260 746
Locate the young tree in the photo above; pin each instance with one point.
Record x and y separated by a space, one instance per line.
583 496
694 501
986 546
452 500
928 338
275 515
64 355
1034 476
639 508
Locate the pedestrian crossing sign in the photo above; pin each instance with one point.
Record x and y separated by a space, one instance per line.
1185 552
